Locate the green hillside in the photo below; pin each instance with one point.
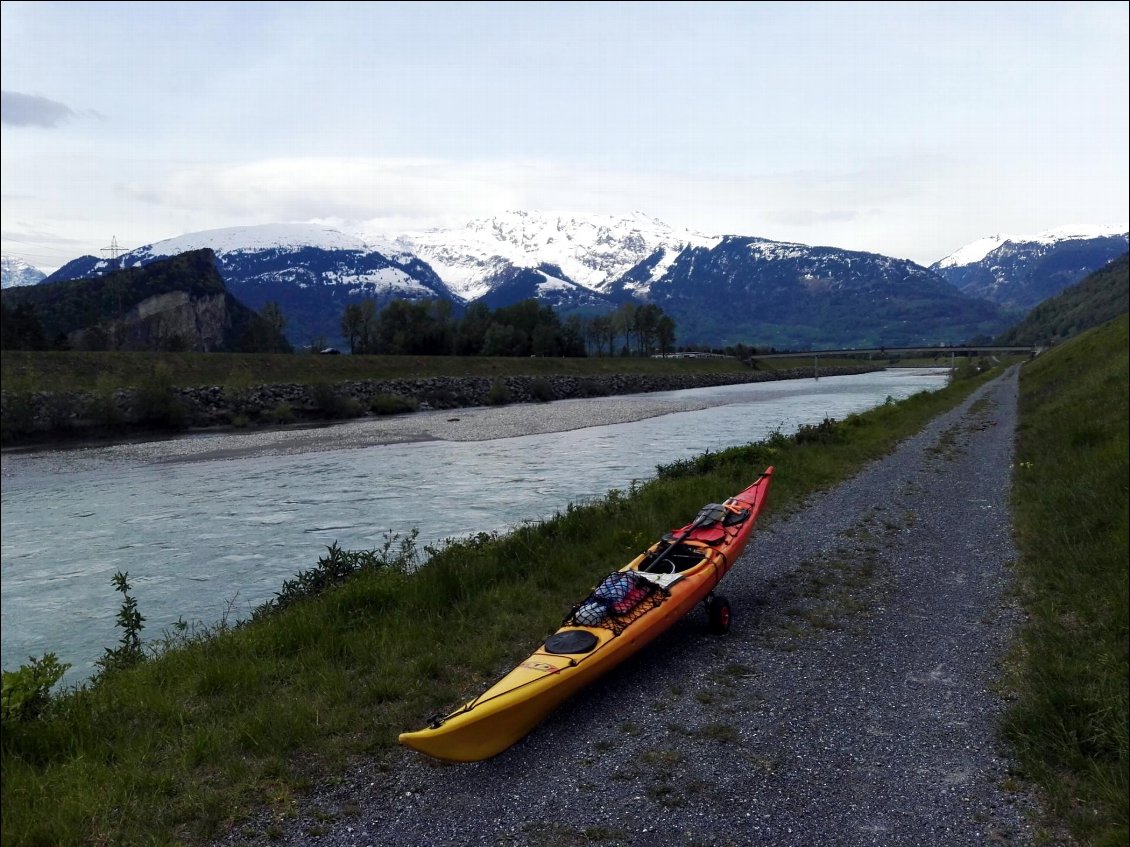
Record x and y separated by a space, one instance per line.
1092 301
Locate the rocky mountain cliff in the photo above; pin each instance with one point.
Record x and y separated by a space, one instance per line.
176 303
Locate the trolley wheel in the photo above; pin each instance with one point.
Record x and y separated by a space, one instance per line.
718 614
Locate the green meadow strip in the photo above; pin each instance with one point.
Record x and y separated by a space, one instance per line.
182 745
69 370
1069 724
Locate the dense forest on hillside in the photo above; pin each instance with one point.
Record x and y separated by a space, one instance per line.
1093 301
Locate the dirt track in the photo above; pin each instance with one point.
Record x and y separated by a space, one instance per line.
851 704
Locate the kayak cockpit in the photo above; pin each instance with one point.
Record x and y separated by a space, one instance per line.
673 558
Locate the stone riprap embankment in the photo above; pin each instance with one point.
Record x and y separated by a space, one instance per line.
37 415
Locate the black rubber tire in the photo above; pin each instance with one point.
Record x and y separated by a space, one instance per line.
718 615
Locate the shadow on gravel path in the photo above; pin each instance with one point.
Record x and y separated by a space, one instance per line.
852 703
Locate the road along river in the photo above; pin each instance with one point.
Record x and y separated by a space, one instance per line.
209 525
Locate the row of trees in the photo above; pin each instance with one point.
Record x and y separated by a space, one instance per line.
651 330
528 328
428 328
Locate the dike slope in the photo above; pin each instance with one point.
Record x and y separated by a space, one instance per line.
853 702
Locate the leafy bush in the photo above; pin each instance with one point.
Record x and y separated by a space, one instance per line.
442 398
157 404
102 406
17 416
541 390
237 393
970 368
60 409
397 554
282 413
828 431
392 404
333 404
499 394
592 388
26 692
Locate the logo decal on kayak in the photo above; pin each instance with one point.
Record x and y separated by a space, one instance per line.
541 666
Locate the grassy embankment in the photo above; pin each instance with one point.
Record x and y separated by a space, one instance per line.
1071 512
55 397
176 748
75 371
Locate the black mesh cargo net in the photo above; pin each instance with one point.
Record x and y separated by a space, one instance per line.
621 597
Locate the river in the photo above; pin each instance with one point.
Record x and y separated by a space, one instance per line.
209 526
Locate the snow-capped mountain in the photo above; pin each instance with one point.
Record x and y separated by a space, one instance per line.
796 296
591 251
15 272
1020 271
312 272
719 290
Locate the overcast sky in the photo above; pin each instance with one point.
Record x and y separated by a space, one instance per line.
908 129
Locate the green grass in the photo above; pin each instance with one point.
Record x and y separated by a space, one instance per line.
1070 669
80 371
186 745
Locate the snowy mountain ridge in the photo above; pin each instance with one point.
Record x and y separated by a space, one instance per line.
718 289
15 272
239 243
593 251
977 250
277 236
1018 272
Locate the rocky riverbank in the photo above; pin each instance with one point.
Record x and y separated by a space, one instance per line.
45 417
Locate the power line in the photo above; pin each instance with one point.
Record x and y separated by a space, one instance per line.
17 248
50 257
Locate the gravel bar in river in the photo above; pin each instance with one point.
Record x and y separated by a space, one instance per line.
852 703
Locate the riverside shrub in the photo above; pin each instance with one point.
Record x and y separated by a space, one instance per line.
25 693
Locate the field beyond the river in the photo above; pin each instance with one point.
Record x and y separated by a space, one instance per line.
79 371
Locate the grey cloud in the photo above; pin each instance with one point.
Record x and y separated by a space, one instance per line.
18 109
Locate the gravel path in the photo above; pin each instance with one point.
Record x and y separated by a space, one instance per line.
852 703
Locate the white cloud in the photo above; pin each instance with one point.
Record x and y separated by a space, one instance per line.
915 207
344 188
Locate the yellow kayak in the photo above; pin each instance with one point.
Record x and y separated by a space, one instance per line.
627 610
